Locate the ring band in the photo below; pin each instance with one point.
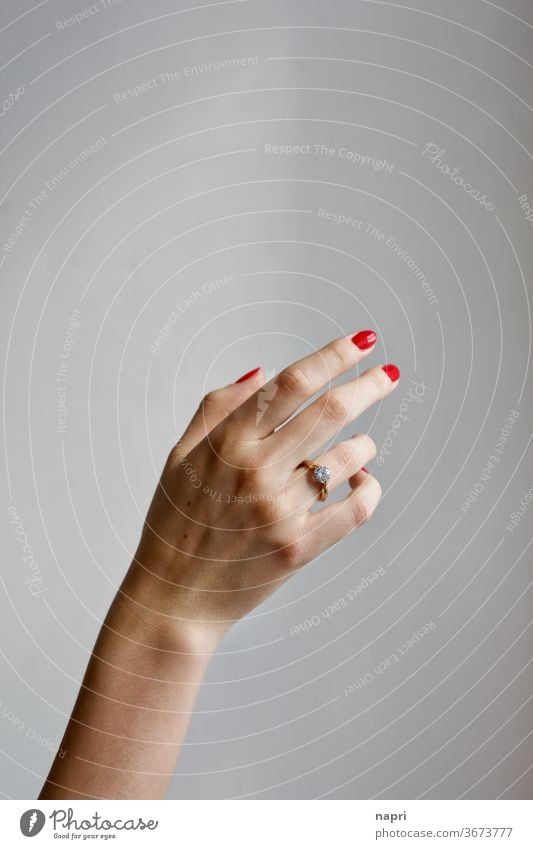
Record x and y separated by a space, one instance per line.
321 474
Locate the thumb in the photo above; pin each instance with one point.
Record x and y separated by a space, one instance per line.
215 406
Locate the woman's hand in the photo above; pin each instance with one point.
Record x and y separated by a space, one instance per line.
230 520
231 517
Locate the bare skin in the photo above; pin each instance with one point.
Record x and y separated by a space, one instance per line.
230 521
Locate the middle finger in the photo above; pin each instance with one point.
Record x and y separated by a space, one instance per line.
306 432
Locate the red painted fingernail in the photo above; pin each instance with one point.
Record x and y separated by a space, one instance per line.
364 339
365 470
248 374
391 371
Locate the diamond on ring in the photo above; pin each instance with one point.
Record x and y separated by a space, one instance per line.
321 474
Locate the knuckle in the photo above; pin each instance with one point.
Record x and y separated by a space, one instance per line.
293 381
290 552
338 357
216 402
360 511
332 408
344 455
212 397
380 382
368 445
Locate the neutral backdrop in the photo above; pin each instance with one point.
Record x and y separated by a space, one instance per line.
160 236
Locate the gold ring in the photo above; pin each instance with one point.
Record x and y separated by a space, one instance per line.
321 474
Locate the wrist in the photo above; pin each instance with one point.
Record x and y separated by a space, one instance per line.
165 616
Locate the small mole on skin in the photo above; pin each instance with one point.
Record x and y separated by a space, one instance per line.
188 503
184 536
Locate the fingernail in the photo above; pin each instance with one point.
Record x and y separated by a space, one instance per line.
248 374
364 339
365 470
391 371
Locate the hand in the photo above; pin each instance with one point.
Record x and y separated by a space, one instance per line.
230 520
231 517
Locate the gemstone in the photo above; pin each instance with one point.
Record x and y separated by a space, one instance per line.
321 474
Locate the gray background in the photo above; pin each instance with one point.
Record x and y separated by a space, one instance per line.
181 192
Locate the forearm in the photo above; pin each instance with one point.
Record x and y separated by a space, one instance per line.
135 702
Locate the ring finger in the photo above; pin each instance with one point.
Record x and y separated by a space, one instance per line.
342 461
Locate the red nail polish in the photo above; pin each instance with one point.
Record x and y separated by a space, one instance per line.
248 374
364 339
365 470
391 371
